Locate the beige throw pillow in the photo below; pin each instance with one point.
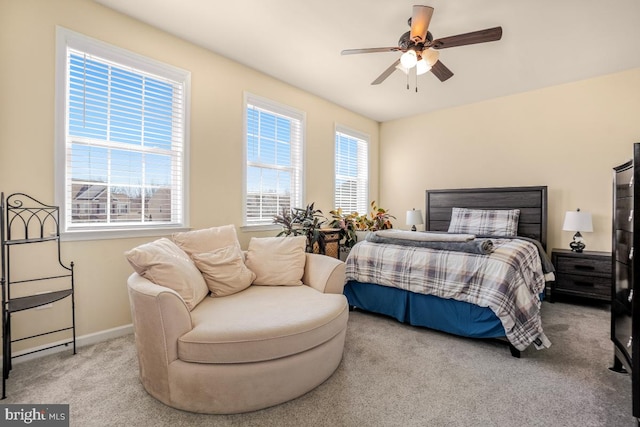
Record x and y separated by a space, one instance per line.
207 240
165 264
277 261
224 270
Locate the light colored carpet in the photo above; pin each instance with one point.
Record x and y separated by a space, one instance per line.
391 375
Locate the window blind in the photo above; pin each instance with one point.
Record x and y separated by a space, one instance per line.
351 171
124 143
273 153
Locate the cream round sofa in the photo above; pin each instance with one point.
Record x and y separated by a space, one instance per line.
242 352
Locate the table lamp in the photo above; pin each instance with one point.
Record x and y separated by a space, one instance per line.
577 221
414 217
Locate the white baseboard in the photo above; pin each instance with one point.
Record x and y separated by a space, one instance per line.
81 341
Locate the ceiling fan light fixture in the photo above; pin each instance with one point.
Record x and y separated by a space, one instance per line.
422 67
401 68
409 59
431 56
421 50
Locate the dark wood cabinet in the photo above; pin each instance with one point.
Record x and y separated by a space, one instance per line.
625 305
581 274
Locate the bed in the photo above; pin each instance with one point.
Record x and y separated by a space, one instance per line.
380 294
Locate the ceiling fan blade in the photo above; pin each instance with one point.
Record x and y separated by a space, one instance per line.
370 50
420 23
441 71
386 73
482 36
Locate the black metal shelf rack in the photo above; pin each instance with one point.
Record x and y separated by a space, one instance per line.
24 220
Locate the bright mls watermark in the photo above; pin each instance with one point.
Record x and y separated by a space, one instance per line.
55 415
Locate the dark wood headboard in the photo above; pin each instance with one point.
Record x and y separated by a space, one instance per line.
532 202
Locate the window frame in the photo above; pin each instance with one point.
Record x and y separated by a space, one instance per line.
366 139
67 39
276 108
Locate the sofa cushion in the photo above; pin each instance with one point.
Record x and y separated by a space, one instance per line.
262 323
277 261
224 270
207 240
165 264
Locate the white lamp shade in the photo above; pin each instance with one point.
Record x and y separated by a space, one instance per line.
422 67
577 221
431 56
414 217
409 59
401 68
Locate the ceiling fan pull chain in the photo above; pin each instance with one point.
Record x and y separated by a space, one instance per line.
416 81
407 81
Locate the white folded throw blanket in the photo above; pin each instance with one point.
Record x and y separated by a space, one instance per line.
427 236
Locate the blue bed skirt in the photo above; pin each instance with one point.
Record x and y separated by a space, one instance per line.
447 315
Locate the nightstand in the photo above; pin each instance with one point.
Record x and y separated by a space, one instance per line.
581 274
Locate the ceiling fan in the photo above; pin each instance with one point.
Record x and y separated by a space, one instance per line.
420 50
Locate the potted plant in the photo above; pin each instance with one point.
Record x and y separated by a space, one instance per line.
353 224
303 222
346 223
379 219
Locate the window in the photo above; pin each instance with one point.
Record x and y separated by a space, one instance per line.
273 159
122 140
352 175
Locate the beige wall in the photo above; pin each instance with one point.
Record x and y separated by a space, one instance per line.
567 137
27 49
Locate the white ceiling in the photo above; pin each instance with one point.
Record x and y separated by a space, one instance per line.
544 43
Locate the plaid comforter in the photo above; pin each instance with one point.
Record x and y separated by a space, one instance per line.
507 281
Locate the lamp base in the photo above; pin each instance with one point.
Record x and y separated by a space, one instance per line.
577 246
578 243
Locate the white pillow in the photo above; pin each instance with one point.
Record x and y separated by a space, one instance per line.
207 240
165 264
224 270
277 261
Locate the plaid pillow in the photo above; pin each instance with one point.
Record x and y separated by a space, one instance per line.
495 222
